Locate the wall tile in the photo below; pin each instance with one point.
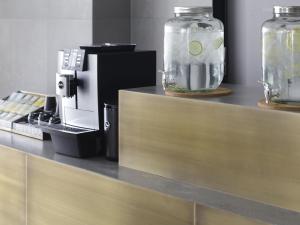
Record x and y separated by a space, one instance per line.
28 55
5 57
32 31
30 9
66 9
7 9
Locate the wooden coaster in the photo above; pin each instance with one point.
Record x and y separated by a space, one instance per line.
279 106
220 91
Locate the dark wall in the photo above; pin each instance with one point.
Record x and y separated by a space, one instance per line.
111 21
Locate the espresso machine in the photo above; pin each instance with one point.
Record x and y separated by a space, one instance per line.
87 79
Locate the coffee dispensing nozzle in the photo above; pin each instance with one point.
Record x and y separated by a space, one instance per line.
66 85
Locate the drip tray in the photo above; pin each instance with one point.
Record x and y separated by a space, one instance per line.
64 128
74 141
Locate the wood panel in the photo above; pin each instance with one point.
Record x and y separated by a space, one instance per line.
60 195
208 216
12 187
246 151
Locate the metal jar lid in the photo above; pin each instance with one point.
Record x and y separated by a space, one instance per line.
192 10
286 9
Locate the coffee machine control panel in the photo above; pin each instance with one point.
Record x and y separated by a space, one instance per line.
74 59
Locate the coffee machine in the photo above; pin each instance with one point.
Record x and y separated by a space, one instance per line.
88 78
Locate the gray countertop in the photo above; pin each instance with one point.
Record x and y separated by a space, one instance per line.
201 195
241 95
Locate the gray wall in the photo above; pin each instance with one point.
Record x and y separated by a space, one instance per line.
147 23
32 31
246 18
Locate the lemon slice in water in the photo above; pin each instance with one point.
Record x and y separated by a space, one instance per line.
293 40
195 48
218 43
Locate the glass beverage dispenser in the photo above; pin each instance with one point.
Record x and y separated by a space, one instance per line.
193 50
281 55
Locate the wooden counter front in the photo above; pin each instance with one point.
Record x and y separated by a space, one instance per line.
54 193
12 187
62 195
242 150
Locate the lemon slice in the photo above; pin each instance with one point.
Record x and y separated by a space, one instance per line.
271 50
218 43
293 40
195 48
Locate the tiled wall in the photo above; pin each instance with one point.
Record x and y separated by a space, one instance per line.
147 23
33 30
31 33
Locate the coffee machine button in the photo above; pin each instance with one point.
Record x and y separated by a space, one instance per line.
106 125
61 85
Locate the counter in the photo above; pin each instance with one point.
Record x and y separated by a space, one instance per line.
203 196
200 195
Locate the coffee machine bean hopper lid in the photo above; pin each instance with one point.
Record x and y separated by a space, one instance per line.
109 47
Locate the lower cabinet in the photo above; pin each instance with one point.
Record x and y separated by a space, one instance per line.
12 187
209 216
36 191
63 195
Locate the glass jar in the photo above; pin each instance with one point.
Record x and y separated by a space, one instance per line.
193 50
281 55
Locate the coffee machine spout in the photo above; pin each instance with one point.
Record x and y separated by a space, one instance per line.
66 85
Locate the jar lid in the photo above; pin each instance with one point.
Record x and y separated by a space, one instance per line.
192 10
286 9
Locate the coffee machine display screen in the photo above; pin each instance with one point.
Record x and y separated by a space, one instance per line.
74 59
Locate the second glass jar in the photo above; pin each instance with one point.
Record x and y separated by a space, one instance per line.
193 50
281 55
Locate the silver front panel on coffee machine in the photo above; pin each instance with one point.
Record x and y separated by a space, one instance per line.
81 108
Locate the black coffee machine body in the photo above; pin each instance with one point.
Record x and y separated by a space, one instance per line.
87 79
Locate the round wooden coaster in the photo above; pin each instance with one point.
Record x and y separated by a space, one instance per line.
279 106
220 91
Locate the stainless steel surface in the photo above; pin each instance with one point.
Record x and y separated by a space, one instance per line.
267 91
84 112
111 132
242 95
192 10
286 9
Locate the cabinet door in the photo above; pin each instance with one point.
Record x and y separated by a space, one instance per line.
12 187
60 195
209 216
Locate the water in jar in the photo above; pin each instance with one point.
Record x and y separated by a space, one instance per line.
194 54
281 59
